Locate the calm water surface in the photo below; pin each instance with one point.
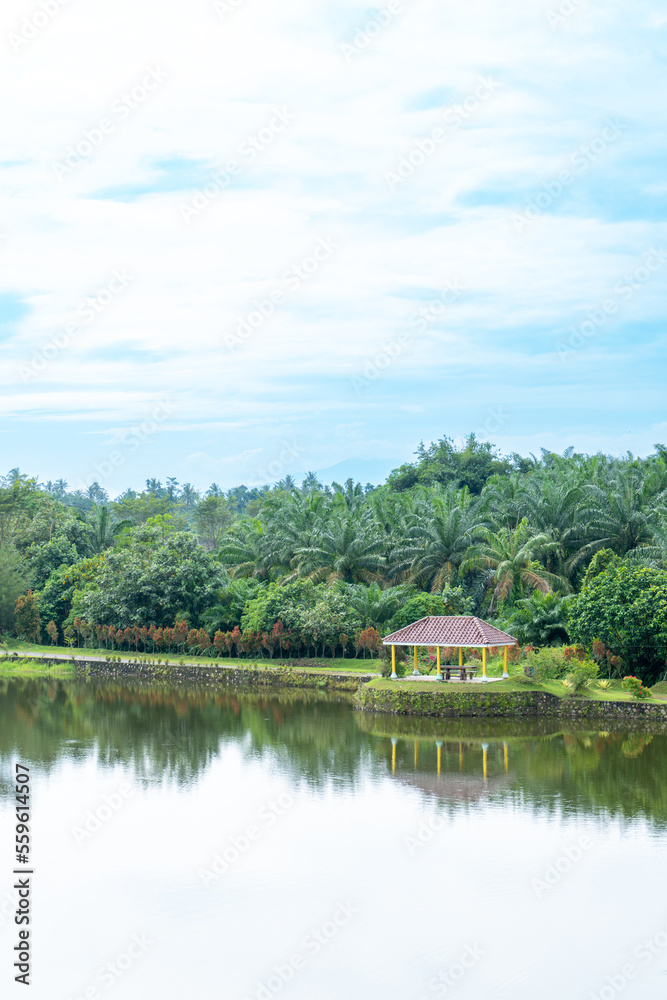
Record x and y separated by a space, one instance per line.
253 846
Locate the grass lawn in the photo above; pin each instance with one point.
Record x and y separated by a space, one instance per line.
24 667
357 666
613 693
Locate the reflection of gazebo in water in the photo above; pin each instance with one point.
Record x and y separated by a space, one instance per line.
453 631
456 780
460 784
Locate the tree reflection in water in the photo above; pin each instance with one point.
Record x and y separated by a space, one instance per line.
163 732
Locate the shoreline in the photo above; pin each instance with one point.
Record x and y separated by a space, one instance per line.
231 675
499 704
371 693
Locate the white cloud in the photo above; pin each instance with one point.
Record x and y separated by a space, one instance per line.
322 175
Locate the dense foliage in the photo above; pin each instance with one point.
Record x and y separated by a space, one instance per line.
532 544
626 608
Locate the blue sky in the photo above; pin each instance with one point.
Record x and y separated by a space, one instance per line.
248 239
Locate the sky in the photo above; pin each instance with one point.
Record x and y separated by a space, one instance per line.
243 239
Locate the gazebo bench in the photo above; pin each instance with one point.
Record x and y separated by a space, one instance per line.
465 673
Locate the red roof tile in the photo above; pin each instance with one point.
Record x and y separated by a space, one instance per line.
449 630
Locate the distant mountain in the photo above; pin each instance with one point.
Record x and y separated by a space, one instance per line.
362 470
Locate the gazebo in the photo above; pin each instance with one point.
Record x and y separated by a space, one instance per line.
458 631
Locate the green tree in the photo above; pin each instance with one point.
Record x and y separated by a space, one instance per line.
248 551
139 509
623 514
420 606
230 604
212 518
375 606
625 607
442 462
153 580
14 580
602 560
280 602
189 495
57 595
26 615
329 618
540 620
19 500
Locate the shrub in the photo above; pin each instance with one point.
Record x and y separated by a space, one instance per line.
583 674
636 688
524 679
547 664
385 669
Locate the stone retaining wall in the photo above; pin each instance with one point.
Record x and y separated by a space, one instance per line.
506 705
251 675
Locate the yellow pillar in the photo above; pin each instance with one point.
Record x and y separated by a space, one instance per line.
507 762
484 677
393 663
415 672
460 756
438 743
394 741
439 668
416 754
460 656
505 674
485 750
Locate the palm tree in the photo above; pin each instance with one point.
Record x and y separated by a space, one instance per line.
287 484
351 494
293 521
189 495
155 487
503 500
104 531
341 551
540 619
96 493
552 506
245 550
511 555
311 483
232 599
374 605
625 517
438 539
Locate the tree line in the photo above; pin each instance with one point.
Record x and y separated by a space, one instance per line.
461 530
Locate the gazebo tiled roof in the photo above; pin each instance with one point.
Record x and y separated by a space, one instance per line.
449 630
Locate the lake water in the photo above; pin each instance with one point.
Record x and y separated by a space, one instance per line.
222 846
